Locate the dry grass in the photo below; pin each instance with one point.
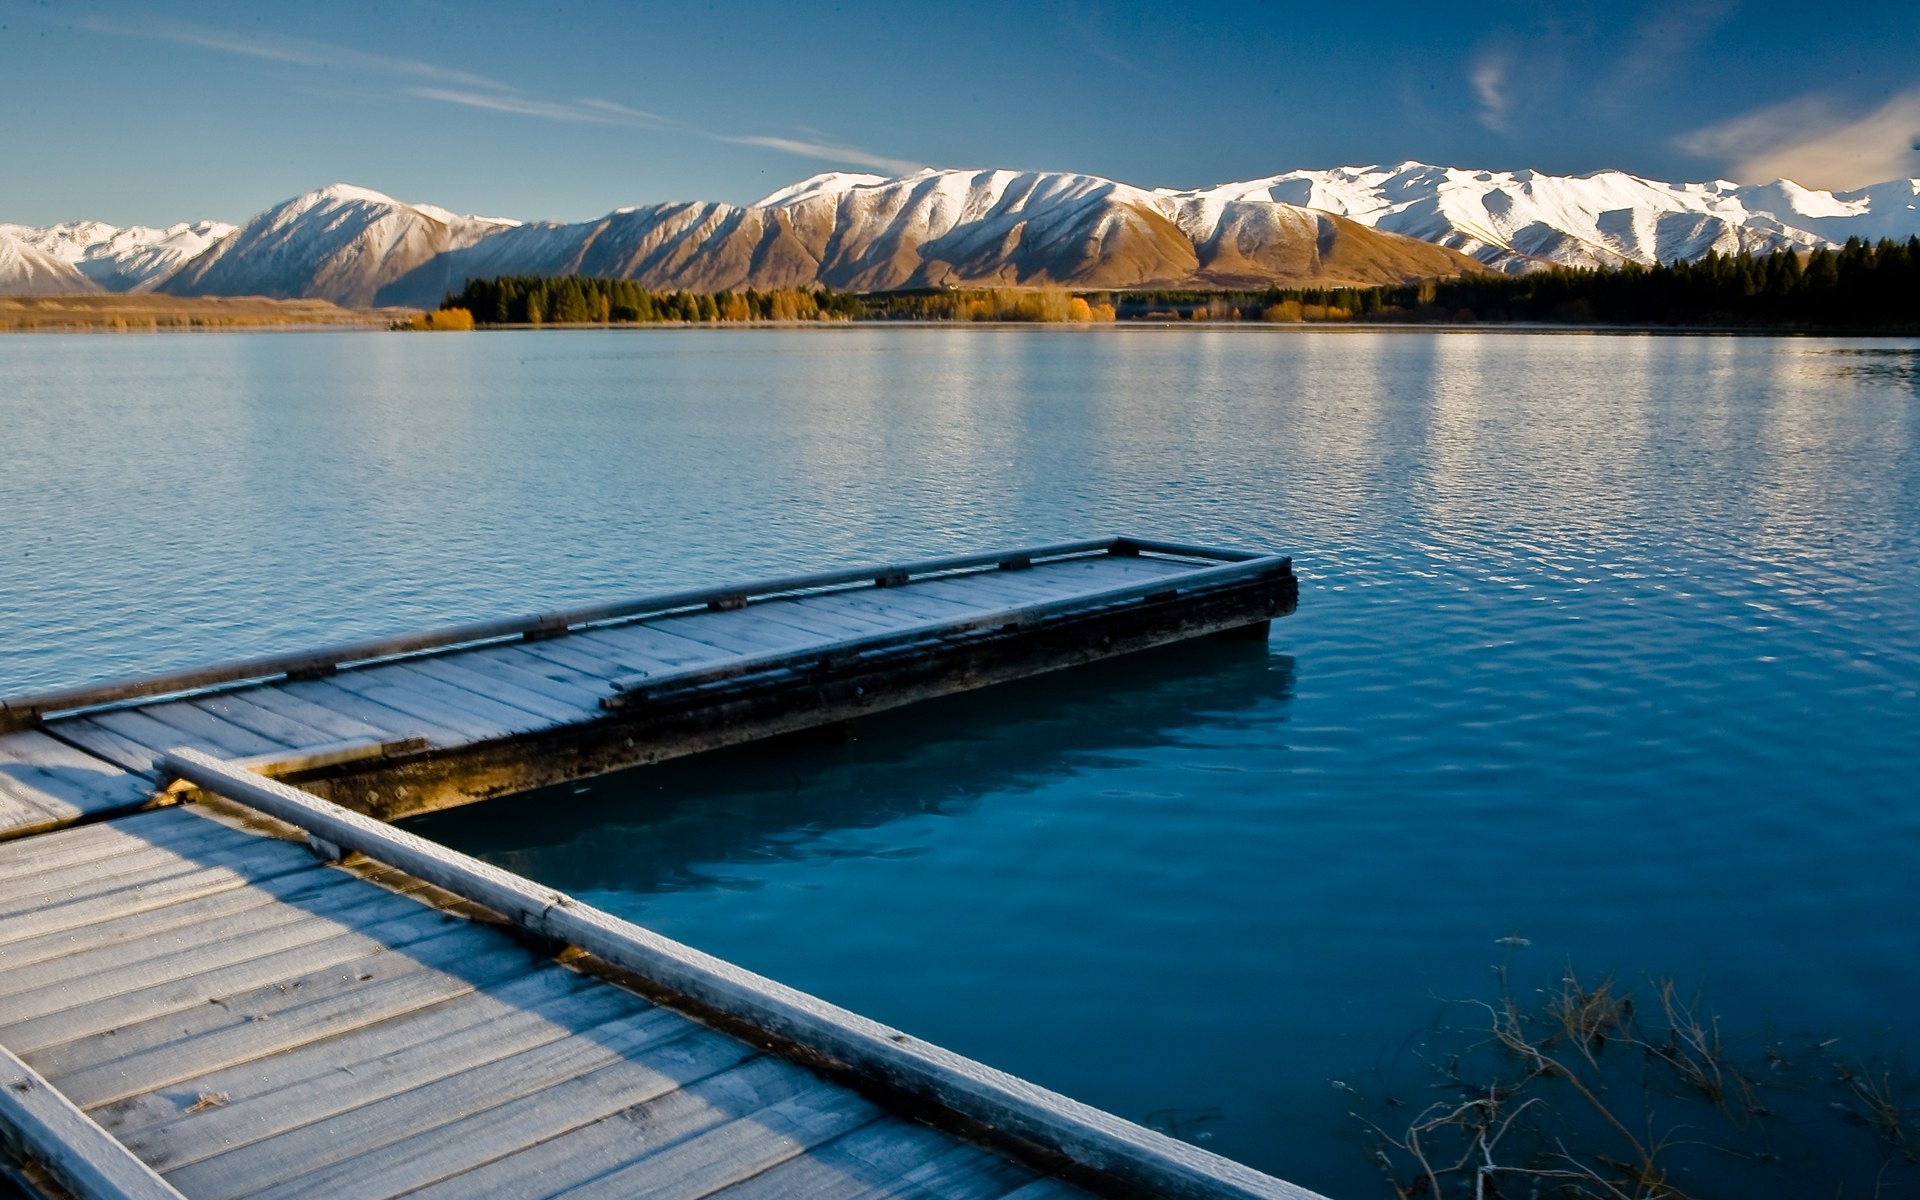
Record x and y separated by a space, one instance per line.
122 313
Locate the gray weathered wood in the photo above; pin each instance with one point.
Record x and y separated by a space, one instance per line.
737 1150
597 1133
59 1137
1087 1135
117 926
992 617
159 989
288 1014
322 1080
499 682
281 700
464 1121
22 710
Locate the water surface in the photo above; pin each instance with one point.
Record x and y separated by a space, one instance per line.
1608 643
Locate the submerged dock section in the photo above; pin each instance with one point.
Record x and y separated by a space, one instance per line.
214 983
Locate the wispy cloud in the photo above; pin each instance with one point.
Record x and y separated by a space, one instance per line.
297 51
421 80
1489 77
824 151
1815 141
507 102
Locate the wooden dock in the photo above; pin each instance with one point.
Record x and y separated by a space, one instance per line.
410 724
251 990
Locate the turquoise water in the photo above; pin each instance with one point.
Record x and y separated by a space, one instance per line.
1607 643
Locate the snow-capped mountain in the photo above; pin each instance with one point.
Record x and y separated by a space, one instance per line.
1518 220
1348 225
132 259
933 228
340 243
27 270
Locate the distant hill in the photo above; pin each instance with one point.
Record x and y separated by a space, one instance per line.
939 228
27 270
1344 226
340 243
132 259
1522 220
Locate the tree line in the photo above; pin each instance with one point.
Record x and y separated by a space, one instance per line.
583 300
1860 287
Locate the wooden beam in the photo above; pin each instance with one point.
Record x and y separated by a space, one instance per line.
57 1136
1138 1157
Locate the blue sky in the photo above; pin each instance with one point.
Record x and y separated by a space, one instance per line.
160 112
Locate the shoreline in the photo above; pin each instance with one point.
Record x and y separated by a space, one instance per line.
142 313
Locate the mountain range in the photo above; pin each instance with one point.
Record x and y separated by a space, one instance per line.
1349 225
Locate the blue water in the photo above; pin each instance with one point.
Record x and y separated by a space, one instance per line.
1608 643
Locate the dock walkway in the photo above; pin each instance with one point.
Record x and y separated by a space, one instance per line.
217 984
410 724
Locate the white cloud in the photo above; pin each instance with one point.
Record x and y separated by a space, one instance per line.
1814 142
1489 77
446 85
505 102
297 51
826 152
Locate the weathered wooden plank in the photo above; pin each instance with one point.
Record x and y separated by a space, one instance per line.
133 829
741 631
115 748
652 643
589 660
818 624
195 725
93 972
498 682
289 1014
600 1129
22 710
239 708
903 605
963 1172
182 832
124 901
464 1121
102 967
1137 1156
183 1033
540 675
737 1150
862 1165
34 1021
66 782
291 888
283 700
59 1137
427 700
41 891
396 722
323 1080
20 809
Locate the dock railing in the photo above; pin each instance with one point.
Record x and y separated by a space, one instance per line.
27 710
1137 1157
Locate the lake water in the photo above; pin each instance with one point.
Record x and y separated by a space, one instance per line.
1607 643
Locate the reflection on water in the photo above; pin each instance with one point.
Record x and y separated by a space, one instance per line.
1605 643
688 823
